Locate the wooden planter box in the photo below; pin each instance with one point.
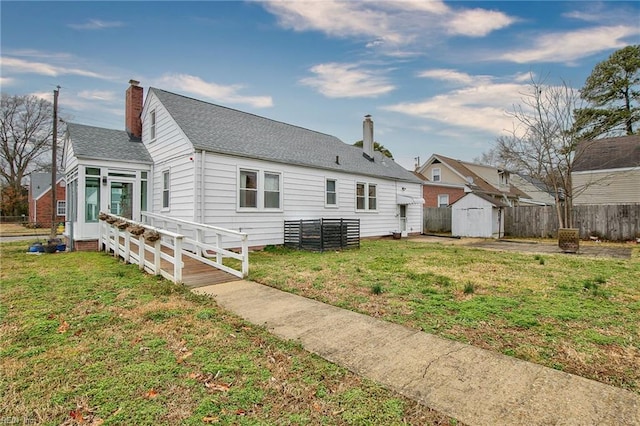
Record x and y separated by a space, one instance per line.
569 239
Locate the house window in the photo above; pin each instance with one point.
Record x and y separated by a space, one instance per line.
366 196
443 200
331 198
248 188
271 191
260 190
165 189
360 198
435 174
152 128
61 209
92 198
143 191
372 197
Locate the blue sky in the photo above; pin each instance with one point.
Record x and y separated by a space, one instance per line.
437 77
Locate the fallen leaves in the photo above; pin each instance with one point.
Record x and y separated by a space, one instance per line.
151 394
210 381
64 326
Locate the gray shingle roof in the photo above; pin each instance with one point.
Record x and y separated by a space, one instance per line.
40 182
224 130
610 153
106 144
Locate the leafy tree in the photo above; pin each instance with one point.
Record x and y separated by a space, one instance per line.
13 203
377 147
25 135
613 93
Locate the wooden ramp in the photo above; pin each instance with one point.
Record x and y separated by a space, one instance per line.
194 273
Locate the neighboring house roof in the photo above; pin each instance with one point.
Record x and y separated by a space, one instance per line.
98 143
477 184
40 183
610 153
224 130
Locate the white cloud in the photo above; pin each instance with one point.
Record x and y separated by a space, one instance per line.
336 80
96 24
216 92
478 22
569 46
100 95
392 25
10 64
447 75
6 81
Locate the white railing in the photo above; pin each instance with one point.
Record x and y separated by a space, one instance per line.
110 239
206 243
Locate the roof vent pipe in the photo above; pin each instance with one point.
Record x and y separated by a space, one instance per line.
367 138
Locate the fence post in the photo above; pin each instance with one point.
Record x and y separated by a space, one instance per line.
177 260
199 240
245 257
157 256
141 251
218 244
127 247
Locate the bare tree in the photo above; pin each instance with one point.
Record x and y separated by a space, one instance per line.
542 142
25 135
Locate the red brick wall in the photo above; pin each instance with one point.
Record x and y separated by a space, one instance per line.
42 207
430 194
89 245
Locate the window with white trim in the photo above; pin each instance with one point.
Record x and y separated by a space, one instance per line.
61 208
152 127
259 189
443 200
435 174
331 191
166 184
271 190
366 196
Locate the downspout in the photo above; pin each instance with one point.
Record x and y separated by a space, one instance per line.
202 197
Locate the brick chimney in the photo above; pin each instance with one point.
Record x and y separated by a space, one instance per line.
367 138
133 110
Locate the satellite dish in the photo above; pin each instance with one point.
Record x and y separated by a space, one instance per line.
469 179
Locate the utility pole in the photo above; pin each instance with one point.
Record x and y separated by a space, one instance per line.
54 171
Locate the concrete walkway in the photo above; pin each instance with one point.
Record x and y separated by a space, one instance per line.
473 385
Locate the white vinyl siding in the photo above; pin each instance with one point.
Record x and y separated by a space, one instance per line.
606 187
303 196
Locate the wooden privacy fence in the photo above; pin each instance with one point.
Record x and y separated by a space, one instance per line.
437 219
322 234
614 222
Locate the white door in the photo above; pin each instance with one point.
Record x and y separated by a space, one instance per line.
403 220
121 198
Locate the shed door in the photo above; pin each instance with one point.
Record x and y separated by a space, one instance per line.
403 218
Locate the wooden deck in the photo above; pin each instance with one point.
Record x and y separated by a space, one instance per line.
194 273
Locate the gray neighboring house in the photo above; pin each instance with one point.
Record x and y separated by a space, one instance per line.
210 164
607 171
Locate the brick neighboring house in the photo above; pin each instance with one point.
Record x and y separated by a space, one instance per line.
446 180
40 199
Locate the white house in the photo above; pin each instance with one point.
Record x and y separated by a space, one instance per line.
477 215
211 164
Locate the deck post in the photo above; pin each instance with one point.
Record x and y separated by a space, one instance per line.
127 247
116 241
141 250
218 244
245 257
199 240
157 256
177 260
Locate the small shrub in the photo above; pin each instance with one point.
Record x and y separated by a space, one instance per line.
376 289
469 288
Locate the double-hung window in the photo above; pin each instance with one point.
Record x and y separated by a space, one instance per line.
366 196
259 189
443 200
166 184
61 208
152 127
435 174
331 190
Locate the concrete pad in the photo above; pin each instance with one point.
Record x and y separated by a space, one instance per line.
473 385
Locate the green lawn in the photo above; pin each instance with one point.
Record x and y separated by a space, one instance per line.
573 313
85 339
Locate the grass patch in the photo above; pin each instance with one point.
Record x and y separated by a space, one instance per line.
87 340
574 313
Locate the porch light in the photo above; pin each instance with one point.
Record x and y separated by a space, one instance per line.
104 180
